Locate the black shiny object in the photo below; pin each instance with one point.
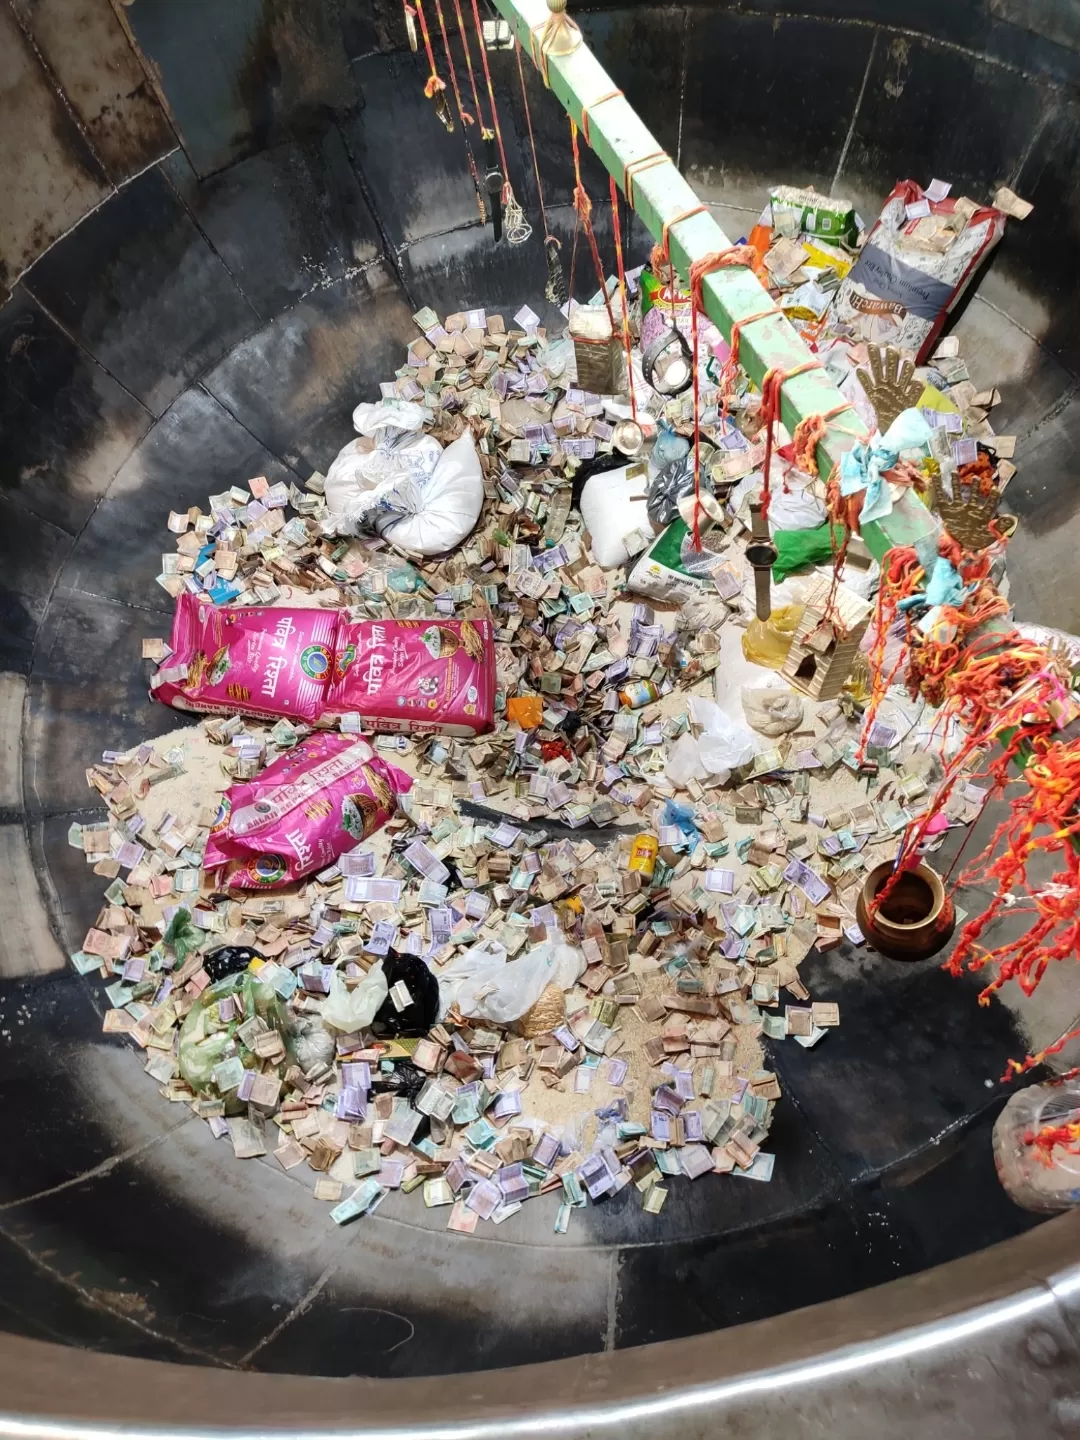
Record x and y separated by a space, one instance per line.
556 289
664 342
422 1011
405 1080
669 487
229 960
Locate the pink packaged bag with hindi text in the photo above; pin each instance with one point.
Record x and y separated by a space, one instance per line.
302 812
240 660
419 676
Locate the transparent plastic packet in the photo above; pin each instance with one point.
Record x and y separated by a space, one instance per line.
1036 1173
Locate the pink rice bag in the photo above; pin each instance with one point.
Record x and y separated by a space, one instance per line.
302 812
420 676
257 661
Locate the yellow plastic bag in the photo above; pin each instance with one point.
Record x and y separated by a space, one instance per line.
767 642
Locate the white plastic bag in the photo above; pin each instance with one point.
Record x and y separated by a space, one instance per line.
611 507
502 991
684 762
312 1042
796 507
428 515
771 708
349 1010
724 745
479 960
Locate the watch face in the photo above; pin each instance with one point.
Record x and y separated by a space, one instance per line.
762 552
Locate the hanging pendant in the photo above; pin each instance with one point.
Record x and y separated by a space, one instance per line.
517 227
410 28
435 90
555 290
442 110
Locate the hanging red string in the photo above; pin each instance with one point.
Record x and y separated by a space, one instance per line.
506 190
627 346
532 146
771 386
717 260
1009 691
661 254
463 32
593 105
633 168
434 85
583 206
465 117
730 369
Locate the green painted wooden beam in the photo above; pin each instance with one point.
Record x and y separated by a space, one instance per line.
660 193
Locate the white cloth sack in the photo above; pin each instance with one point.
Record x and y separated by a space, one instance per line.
401 452
612 506
770 707
427 516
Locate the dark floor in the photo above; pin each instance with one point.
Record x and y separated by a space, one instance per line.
218 317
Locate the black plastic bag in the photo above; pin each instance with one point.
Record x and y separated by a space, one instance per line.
422 1010
229 960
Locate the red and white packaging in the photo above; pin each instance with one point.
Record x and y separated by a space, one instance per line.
422 677
907 279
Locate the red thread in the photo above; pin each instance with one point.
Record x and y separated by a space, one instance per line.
468 61
532 144
633 168
622 295
661 254
491 97
718 260
583 206
592 105
771 386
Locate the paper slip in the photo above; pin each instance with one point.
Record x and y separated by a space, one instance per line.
356 863
785 257
720 882
527 319
1010 202
421 858
938 190
761 1169
365 891
809 882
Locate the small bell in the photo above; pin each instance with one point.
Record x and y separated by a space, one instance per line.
442 110
555 290
435 90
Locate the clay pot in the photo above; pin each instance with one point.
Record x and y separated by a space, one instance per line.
915 922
